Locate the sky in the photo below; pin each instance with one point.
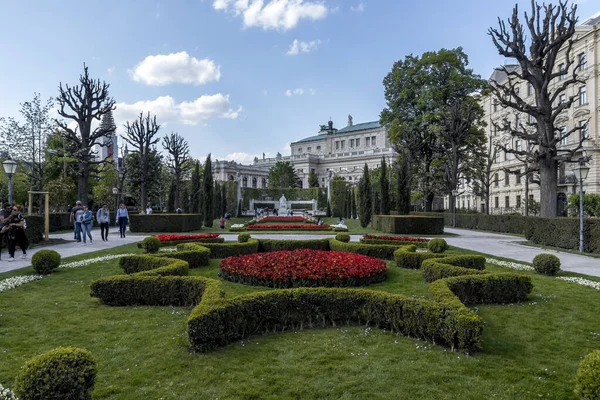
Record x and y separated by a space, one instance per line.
237 78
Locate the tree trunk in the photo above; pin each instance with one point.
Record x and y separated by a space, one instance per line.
143 179
82 183
526 191
548 182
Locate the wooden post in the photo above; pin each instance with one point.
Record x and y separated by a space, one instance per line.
30 205
46 217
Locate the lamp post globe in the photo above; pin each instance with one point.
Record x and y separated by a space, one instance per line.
581 174
453 206
10 167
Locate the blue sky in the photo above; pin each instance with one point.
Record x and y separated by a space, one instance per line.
226 73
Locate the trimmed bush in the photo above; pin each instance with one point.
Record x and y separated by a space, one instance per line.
243 237
151 244
62 373
546 264
384 251
218 321
165 222
342 237
421 245
224 250
407 257
268 245
409 224
439 268
44 261
437 246
588 376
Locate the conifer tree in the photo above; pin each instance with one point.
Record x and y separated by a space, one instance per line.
353 203
365 198
207 195
196 188
402 185
384 189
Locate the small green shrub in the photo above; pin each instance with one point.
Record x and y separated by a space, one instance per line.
546 264
268 245
437 246
228 249
383 251
342 237
588 376
151 244
44 261
62 373
243 237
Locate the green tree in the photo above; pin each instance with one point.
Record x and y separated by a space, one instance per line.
152 183
283 175
171 198
207 193
591 204
313 179
217 202
178 160
103 189
402 184
196 188
365 199
223 199
353 203
384 188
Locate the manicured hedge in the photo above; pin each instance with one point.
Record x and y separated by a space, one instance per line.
397 243
218 322
407 257
588 376
61 373
268 245
384 251
439 268
35 228
165 222
229 249
409 224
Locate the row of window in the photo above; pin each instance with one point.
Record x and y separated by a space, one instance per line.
582 61
507 201
369 141
562 99
308 149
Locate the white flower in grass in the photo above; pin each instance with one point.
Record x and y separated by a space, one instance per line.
167 249
509 264
580 281
83 263
237 225
7 394
15 281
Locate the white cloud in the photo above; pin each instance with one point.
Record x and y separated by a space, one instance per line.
112 69
295 92
312 91
243 158
298 46
167 110
360 7
179 67
276 14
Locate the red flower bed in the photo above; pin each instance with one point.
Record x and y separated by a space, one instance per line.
285 269
173 237
283 219
398 238
288 227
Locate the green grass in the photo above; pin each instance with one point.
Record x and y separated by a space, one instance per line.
531 350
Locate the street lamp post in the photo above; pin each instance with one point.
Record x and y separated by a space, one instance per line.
10 167
454 193
116 193
581 173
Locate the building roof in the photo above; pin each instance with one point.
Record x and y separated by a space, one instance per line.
348 129
593 21
500 76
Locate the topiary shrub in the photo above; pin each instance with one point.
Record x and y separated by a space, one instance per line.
546 264
44 261
588 376
62 373
437 246
243 237
151 244
342 237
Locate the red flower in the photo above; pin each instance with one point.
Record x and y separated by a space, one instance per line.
288 227
174 237
303 268
398 238
283 219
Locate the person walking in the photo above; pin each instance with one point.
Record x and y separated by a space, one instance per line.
16 233
222 222
149 209
122 219
86 223
103 217
75 219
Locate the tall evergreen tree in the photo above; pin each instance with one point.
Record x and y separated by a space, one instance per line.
196 188
353 203
365 198
402 184
171 198
348 208
207 194
223 199
185 199
384 188
328 212
313 179
216 200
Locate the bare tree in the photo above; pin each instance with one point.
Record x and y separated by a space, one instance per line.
82 104
484 176
551 30
141 135
179 157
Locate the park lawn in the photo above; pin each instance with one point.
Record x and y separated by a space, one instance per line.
531 350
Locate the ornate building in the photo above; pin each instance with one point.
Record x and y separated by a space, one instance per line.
331 152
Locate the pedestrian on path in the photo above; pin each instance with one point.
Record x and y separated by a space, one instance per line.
16 233
103 217
75 219
122 219
86 223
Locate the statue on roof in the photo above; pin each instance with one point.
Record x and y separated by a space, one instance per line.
349 120
323 127
330 125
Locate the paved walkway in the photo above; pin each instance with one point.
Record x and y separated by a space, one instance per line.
500 245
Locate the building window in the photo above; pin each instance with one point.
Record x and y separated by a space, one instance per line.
518 177
351 143
308 149
506 178
367 141
518 145
496 202
518 201
373 140
563 135
264 182
254 183
562 99
517 120
583 130
582 61
299 149
342 143
496 180
245 181
337 145
497 156
357 142
322 179
506 201
318 148
532 119
494 130
495 105
529 89
563 71
582 95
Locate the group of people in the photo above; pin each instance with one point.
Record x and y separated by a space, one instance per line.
82 219
12 227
